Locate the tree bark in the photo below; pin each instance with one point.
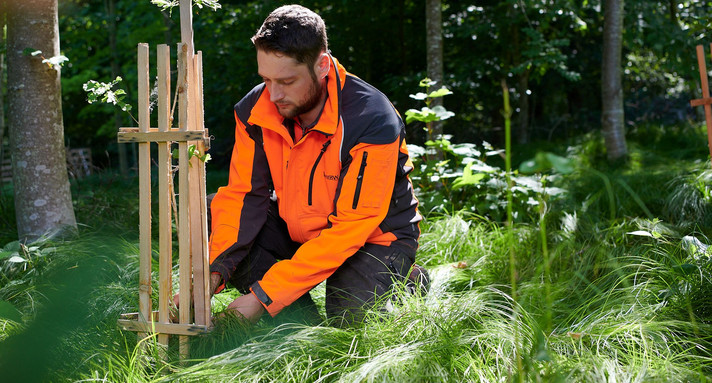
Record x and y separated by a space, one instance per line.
434 41
612 116
43 201
2 88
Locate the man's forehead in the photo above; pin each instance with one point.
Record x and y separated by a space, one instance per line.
274 64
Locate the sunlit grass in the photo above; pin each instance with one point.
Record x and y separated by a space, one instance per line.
629 300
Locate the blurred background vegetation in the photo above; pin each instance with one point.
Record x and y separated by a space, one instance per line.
549 52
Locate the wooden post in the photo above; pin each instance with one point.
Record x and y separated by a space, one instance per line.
144 179
184 216
165 235
705 101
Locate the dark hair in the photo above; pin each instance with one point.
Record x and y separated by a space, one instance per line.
295 31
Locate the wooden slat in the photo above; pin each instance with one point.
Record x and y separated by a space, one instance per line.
165 234
198 231
701 101
144 185
186 25
162 328
183 196
705 92
125 136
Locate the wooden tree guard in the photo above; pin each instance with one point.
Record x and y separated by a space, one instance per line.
705 101
192 210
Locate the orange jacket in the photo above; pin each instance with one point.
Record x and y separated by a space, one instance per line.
344 183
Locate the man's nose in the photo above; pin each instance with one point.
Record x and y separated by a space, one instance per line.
275 93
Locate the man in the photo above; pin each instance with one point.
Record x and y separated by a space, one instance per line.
318 185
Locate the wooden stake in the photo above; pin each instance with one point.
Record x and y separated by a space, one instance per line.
705 101
144 152
164 194
198 211
183 197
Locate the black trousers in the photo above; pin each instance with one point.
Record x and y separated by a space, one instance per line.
363 281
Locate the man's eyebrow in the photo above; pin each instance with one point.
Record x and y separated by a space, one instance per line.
277 79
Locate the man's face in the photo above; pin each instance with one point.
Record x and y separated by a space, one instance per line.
292 86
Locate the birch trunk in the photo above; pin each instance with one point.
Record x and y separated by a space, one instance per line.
434 32
43 203
612 116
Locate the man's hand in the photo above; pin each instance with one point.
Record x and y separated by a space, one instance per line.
215 280
248 307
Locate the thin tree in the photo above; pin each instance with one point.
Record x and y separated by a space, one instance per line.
43 203
434 43
2 87
612 116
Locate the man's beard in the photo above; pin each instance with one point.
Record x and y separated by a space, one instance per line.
310 103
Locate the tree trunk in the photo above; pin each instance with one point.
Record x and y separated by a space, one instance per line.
2 88
672 8
109 6
434 43
612 116
523 129
43 201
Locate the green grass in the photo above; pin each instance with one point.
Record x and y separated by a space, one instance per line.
624 296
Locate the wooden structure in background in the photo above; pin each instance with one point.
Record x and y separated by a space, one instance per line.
705 101
191 222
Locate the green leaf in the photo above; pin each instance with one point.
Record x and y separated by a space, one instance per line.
545 161
12 246
8 311
424 115
441 113
17 259
440 92
426 83
6 254
468 178
560 164
31 52
641 233
56 60
419 96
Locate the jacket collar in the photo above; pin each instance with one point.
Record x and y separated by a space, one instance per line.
265 113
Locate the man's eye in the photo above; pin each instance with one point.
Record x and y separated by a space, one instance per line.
290 82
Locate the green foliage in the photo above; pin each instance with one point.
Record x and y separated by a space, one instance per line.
169 4
469 178
192 151
102 92
53 62
426 114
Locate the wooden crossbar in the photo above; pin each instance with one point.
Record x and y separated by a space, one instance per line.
192 209
705 101
127 135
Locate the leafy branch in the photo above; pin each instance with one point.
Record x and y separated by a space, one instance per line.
53 62
102 92
426 114
169 4
193 152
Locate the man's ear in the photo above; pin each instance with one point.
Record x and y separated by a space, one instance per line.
322 66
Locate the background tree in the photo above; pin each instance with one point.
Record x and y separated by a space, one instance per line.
43 203
2 84
613 115
434 43
549 52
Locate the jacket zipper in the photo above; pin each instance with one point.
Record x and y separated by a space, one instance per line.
359 180
311 175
